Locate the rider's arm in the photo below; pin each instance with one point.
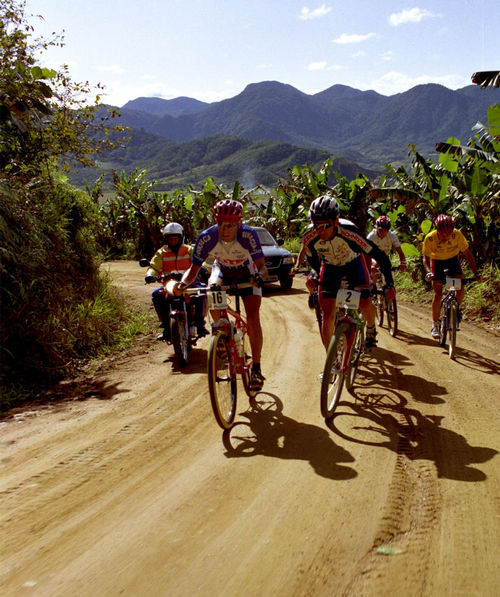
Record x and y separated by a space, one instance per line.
260 266
402 257
471 261
188 277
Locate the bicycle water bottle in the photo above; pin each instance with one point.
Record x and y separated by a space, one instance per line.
238 340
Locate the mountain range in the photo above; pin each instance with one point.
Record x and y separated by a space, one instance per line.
275 123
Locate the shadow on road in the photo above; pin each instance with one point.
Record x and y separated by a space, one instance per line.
269 433
382 418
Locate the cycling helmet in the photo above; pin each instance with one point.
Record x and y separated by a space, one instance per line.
173 229
228 210
324 207
383 222
444 224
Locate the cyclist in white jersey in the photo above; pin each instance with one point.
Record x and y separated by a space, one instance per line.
388 241
238 258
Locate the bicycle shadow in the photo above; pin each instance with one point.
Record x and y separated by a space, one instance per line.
384 367
384 415
475 361
268 432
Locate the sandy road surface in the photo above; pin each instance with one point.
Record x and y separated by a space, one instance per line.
130 488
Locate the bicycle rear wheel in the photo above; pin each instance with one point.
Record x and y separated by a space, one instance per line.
392 316
221 383
379 309
333 375
443 326
452 331
245 376
356 352
180 342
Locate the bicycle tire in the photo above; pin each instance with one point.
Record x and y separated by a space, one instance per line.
356 352
245 376
333 375
392 316
379 309
179 342
452 340
443 327
221 383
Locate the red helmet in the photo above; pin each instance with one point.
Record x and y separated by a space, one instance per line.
228 210
383 222
444 224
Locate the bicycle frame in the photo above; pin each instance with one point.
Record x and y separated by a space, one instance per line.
237 361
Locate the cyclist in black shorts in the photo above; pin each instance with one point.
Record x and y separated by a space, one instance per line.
335 249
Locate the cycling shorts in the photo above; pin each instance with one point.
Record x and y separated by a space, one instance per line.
355 272
216 277
452 265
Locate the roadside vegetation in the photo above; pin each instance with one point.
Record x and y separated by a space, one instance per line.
58 308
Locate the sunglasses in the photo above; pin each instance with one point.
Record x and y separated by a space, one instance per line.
324 226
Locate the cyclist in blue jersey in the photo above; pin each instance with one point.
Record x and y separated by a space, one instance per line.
335 249
238 258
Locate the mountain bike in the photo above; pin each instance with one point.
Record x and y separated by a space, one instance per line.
450 313
385 307
227 355
344 352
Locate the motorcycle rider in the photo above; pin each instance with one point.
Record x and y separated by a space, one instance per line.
173 258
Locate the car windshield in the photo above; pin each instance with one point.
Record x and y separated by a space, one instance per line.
265 237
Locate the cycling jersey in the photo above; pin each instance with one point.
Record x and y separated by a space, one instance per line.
234 260
343 248
389 243
436 249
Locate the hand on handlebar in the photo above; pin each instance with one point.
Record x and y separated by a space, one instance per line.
429 276
179 288
390 293
402 266
257 280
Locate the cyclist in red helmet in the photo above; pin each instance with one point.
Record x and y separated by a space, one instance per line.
238 257
442 248
387 240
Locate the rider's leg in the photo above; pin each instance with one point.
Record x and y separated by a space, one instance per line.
437 286
327 306
160 304
252 310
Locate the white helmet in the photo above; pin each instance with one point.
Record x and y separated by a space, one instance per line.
173 228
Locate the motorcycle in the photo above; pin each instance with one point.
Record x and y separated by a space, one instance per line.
181 331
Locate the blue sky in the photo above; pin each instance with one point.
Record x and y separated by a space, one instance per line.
212 49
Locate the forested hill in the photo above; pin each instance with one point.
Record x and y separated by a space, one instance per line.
363 126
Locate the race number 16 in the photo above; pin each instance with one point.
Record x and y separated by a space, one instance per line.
217 299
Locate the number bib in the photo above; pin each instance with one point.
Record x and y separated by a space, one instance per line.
348 298
455 283
217 300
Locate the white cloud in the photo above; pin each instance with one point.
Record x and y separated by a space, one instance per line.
306 14
335 67
317 66
353 38
359 54
389 55
413 15
394 82
114 69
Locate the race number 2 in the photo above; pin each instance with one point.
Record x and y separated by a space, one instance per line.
348 298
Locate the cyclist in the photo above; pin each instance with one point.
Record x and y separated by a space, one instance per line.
238 258
335 249
386 240
174 258
441 249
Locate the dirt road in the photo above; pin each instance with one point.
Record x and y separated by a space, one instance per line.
131 489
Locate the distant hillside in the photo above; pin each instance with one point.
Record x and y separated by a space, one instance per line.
225 158
363 126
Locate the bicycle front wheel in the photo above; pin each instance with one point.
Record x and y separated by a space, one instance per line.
247 364
392 316
356 352
221 382
452 331
333 374
443 326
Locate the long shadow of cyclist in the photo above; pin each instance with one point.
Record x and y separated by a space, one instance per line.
382 418
269 433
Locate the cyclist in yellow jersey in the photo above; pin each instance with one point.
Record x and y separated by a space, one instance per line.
441 251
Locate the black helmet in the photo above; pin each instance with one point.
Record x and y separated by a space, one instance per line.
324 207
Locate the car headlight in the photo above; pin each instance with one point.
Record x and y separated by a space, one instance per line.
288 260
